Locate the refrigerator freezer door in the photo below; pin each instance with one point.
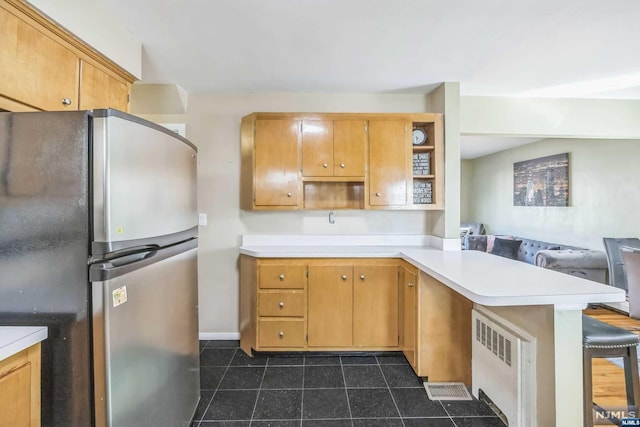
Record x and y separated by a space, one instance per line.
146 358
144 183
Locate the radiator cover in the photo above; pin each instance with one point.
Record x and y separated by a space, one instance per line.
503 366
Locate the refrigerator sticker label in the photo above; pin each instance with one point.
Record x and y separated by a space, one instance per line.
119 296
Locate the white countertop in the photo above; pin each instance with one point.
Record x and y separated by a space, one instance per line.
481 277
14 339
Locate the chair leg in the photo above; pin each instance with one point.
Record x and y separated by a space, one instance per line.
632 381
587 387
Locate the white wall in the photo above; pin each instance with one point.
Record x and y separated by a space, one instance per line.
98 28
213 124
604 199
548 117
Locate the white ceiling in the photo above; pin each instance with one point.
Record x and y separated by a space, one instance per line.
556 48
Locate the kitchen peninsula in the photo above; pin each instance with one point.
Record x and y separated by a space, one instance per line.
441 286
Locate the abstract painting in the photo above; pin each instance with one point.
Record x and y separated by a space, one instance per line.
542 182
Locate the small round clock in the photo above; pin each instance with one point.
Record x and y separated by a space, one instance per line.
419 136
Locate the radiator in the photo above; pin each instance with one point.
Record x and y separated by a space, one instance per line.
503 367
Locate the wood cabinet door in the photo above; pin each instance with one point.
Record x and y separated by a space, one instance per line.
388 162
8 53
46 72
100 90
277 163
375 308
317 148
408 283
330 306
349 147
15 397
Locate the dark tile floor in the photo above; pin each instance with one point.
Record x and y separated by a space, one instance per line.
321 391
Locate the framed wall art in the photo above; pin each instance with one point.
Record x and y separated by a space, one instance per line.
542 182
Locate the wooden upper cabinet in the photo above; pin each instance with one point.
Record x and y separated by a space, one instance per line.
98 89
41 72
349 147
277 162
41 66
340 161
333 148
317 148
389 162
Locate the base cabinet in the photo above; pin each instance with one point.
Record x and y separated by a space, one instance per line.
20 389
318 304
374 304
408 291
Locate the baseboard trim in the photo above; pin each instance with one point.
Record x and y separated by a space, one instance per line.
219 336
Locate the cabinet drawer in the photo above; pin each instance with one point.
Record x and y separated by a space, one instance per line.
281 276
281 304
281 333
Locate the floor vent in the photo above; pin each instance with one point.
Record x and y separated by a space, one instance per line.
447 391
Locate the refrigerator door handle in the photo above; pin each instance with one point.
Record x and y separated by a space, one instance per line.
132 250
109 269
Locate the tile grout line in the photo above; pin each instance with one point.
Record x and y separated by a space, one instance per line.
304 360
255 405
346 393
391 393
218 386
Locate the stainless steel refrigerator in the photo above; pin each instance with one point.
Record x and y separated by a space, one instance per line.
98 241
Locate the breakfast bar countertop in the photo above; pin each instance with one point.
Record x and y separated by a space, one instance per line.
481 277
14 339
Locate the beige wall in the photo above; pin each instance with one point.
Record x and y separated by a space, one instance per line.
604 202
466 174
213 124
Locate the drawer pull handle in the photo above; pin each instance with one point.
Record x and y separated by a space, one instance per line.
362 277
289 194
378 194
410 285
344 277
342 165
281 304
66 101
281 334
281 277
324 165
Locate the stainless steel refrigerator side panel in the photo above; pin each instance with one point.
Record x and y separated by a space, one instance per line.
44 246
152 181
149 322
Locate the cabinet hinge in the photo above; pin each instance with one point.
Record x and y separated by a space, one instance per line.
307 272
128 98
366 128
307 338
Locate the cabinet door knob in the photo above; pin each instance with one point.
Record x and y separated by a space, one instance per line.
281 304
289 194
410 285
342 165
362 277
378 194
324 165
344 277
281 277
66 101
281 334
